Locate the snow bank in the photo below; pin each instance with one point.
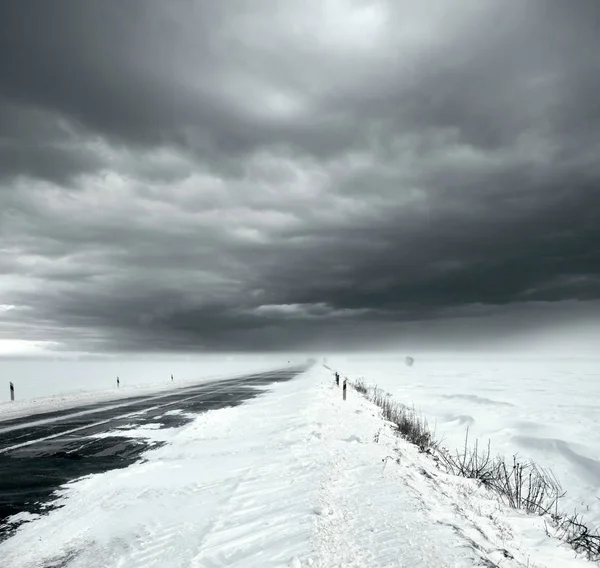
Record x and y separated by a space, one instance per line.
544 408
292 478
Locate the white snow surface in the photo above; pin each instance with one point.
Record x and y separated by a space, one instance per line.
44 385
539 406
292 478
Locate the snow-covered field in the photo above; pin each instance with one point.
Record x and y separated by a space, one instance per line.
543 407
293 478
51 384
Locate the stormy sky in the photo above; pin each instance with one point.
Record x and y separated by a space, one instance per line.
247 175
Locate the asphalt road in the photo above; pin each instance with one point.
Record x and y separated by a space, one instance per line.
40 453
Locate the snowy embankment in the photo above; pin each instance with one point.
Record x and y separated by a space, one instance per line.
49 385
541 407
292 478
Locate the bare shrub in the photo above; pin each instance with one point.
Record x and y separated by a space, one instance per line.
408 423
470 462
573 531
527 486
413 427
524 485
360 386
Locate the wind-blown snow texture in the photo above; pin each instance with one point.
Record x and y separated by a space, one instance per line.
292 478
541 407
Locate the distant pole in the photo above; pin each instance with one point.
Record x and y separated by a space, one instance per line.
12 391
344 389
118 382
171 378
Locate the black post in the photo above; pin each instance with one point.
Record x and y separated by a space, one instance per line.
337 379
118 382
344 388
12 391
171 378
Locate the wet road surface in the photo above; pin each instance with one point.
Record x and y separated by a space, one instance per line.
40 453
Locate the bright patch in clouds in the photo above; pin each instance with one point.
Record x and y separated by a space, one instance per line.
351 24
22 347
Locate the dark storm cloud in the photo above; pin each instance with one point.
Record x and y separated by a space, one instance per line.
544 250
79 60
34 142
203 174
148 74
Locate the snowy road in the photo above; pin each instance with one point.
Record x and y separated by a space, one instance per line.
40 453
294 478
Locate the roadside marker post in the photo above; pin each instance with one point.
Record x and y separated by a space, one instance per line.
12 392
344 389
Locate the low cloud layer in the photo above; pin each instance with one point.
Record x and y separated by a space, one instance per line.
234 175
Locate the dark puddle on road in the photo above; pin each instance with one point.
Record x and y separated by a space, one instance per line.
31 476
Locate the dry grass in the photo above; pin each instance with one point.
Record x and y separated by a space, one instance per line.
360 386
520 485
524 485
573 530
408 423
